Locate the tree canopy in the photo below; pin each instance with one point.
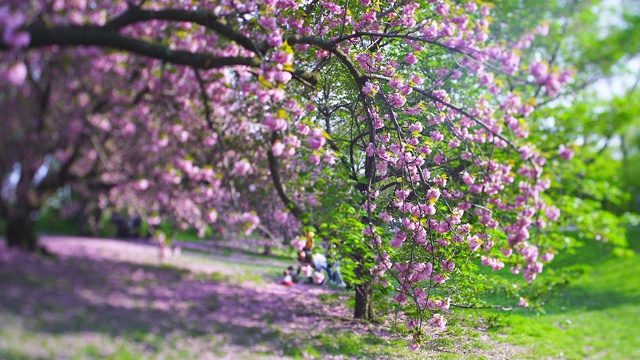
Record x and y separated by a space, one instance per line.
397 131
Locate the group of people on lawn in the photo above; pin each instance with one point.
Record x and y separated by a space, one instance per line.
312 267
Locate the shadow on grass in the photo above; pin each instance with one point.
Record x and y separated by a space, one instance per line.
139 302
609 282
579 299
590 277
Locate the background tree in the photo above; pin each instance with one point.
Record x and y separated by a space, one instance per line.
593 113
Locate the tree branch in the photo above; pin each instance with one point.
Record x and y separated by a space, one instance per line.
209 20
108 37
277 183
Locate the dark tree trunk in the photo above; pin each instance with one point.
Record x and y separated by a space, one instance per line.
267 250
21 232
364 301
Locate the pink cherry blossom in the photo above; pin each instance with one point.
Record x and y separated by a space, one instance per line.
397 100
16 74
565 152
523 302
546 257
410 59
277 148
317 139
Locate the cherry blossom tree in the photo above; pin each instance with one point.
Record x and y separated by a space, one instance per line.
396 128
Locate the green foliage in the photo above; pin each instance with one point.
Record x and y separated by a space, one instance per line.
50 221
342 229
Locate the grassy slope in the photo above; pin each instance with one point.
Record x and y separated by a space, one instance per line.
597 316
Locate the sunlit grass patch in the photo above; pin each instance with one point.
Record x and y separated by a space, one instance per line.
238 279
596 316
350 345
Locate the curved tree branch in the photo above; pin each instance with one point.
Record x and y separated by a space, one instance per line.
108 37
277 182
207 19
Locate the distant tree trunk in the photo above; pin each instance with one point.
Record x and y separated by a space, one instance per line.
21 228
364 291
21 232
82 219
364 301
267 250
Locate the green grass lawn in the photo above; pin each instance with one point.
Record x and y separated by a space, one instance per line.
596 316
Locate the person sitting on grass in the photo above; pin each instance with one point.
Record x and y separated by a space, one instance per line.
294 276
317 263
287 280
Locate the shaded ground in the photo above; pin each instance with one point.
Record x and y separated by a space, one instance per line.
106 298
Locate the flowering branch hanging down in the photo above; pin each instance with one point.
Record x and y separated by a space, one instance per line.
424 148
